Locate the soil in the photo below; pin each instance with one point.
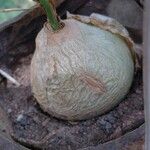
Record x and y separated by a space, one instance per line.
133 140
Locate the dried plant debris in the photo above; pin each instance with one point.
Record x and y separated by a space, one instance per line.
5 76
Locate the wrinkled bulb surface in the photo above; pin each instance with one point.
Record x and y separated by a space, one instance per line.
81 71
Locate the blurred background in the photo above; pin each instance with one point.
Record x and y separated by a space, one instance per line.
5 4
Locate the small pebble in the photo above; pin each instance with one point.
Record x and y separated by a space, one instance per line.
9 110
20 117
23 120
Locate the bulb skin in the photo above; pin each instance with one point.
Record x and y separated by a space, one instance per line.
81 71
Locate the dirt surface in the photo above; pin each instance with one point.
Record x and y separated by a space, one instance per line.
133 140
6 143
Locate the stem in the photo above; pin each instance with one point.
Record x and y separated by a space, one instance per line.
51 14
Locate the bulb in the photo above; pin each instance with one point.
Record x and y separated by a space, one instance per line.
81 71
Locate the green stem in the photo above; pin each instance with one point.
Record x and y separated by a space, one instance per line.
51 15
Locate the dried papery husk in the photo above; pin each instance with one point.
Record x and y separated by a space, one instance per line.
85 69
109 24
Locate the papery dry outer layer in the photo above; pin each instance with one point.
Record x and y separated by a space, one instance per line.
83 70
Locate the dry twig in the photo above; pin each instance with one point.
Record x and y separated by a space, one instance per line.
5 75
